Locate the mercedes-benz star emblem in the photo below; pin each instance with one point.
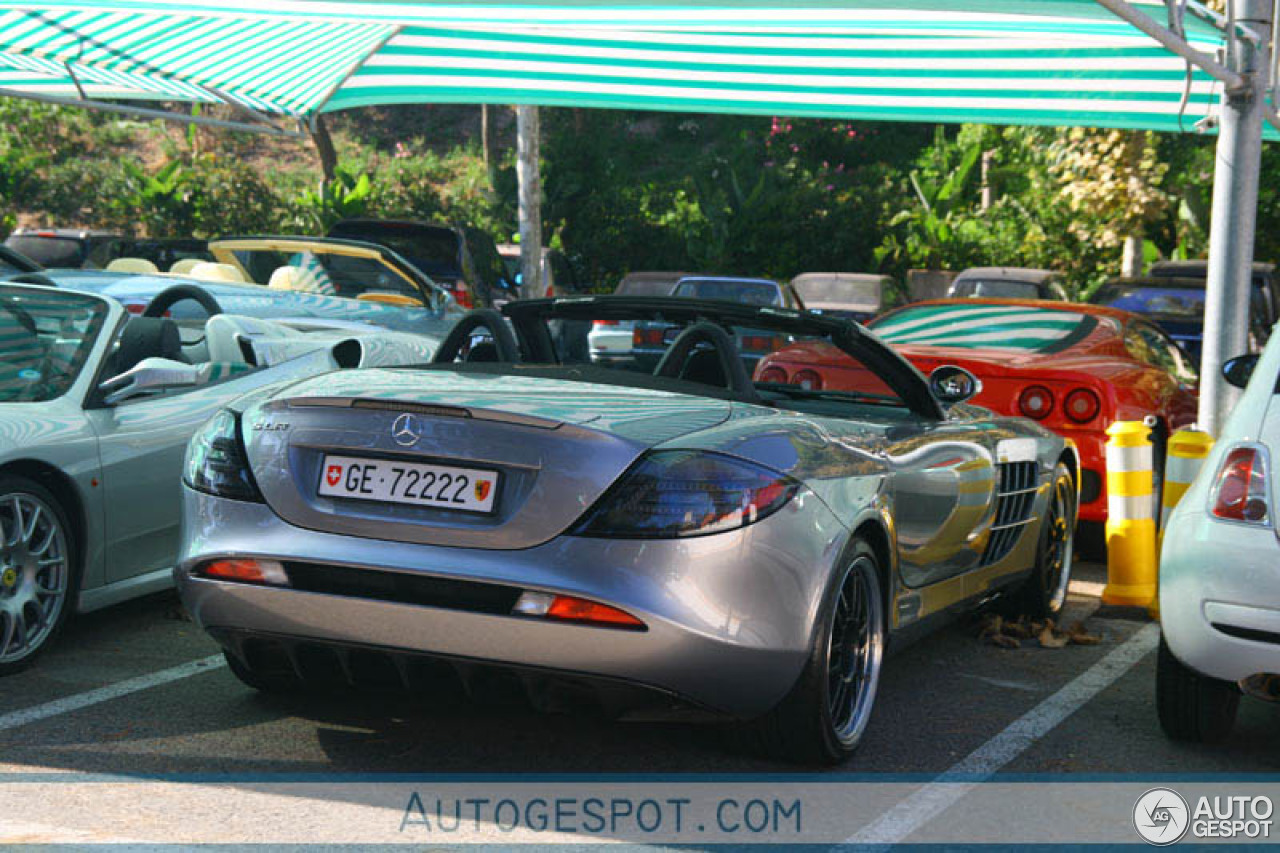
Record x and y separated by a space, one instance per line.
405 430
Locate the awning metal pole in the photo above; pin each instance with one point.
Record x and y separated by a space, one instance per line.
1229 78
143 112
1235 207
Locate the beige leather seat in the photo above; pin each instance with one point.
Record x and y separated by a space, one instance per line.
185 266
301 280
133 265
209 271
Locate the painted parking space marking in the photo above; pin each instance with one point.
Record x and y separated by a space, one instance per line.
26 716
946 790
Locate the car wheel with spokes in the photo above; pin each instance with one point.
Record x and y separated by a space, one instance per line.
824 717
38 576
1045 591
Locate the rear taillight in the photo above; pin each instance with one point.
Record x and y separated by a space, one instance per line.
762 343
216 462
1081 405
1240 490
810 380
462 294
773 374
647 337
597 324
1036 402
267 572
675 493
567 608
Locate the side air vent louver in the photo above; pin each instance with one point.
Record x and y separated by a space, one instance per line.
1015 496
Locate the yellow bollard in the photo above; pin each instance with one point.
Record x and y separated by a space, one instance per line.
1187 451
1131 529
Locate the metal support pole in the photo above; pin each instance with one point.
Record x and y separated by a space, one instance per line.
530 180
1235 203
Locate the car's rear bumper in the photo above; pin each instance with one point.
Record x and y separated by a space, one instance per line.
728 617
1220 595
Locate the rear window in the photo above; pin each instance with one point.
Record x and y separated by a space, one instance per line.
435 251
49 251
995 289
646 287
1002 327
745 292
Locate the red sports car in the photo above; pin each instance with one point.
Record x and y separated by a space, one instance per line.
1075 368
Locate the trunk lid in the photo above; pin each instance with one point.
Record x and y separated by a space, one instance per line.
555 445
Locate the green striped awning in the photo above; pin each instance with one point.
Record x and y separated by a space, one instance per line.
1058 62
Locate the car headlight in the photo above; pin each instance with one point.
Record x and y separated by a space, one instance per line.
216 461
675 493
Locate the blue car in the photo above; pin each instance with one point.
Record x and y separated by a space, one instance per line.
1176 304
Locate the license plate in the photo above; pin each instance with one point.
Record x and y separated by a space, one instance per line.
411 483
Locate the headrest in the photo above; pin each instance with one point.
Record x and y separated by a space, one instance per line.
185 266
299 279
209 271
148 337
134 265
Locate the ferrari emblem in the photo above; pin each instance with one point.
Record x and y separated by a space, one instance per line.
482 489
334 474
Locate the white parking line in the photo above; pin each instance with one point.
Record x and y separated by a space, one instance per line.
105 694
939 795
1089 588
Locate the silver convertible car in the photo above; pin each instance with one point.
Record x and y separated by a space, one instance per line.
96 408
684 542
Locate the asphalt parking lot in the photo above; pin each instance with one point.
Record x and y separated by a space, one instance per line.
941 699
138 694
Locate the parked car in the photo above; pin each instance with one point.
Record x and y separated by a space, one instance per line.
327 266
1264 279
649 340
609 341
1075 369
463 260
684 542
96 408
1219 591
58 247
854 296
1177 306
162 253
1006 283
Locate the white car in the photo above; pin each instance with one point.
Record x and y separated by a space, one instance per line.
1220 569
610 341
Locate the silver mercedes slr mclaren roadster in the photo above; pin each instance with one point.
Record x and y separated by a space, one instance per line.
684 542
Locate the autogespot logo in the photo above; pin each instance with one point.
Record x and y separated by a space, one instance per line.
405 430
1161 816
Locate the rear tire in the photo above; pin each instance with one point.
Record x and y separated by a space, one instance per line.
824 717
1193 707
1045 592
39 571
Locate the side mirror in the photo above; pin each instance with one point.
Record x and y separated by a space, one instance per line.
1238 370
150 374
952 385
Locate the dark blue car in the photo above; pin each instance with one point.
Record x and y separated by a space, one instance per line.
1176 304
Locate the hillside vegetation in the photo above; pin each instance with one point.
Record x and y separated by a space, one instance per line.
628 191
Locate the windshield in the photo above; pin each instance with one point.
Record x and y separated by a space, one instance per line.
994 289
777 357
742 292
45 338
435 251
50 250
326 274
978 326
